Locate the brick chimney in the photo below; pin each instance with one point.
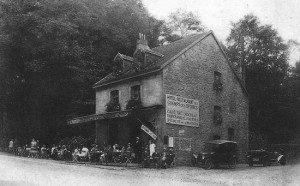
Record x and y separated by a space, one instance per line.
142 42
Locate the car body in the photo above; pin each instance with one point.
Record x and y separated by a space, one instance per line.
264 157
217 152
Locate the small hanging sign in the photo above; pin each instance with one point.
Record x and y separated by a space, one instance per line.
148 131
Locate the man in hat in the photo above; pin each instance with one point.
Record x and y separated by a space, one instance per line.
138 149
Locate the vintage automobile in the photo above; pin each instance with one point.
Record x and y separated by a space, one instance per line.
266 158
217 152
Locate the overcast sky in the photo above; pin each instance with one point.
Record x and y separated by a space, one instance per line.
283 15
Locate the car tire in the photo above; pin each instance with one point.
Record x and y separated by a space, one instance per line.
250 163
208 164
193 162
216 165
232 163
266 162
282 161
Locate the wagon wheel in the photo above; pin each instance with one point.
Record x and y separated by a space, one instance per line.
232 163
208 164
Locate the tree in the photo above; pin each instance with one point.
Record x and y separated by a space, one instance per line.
183 21
261 54
52 52
180 24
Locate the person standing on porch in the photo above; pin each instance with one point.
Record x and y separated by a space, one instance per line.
152 147
138 149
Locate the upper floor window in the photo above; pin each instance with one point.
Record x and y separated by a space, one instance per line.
113 104
135 98
217 81
114 96
218 115
136 92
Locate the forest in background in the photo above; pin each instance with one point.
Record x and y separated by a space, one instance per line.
52 52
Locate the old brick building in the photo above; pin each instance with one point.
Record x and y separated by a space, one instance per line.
185 93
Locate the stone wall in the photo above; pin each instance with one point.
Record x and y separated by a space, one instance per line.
191 75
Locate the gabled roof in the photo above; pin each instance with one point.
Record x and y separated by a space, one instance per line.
166 52
169 53
171 50
128 58
150 51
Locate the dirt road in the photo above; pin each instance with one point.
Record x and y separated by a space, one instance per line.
25 171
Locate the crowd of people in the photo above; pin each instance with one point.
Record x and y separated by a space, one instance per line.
146 155
35 150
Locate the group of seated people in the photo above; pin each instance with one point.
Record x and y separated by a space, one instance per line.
35 150
160 160
147 156
107 154
116 154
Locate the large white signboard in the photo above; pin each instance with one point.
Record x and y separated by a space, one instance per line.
182 111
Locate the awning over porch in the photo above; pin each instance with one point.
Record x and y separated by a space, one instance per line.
108 115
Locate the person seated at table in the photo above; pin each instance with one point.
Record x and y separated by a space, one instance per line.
33 145
129 148
83 153
146 157
76 151
44 152
95 153
170 156
54 152
104 155
164 157
33 149
156 158
75 154
27 150
63 152
116 148
93 148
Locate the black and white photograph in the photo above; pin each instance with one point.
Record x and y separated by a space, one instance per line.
149 92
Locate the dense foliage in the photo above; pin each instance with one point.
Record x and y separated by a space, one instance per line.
52 52
264 56
180 24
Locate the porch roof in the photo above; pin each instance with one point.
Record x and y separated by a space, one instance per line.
108 115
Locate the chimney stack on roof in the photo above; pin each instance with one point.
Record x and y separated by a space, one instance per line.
142 42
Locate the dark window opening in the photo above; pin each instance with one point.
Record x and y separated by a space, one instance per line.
136 92
135 98
218 115
230 134
217 81
114 96
166 140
